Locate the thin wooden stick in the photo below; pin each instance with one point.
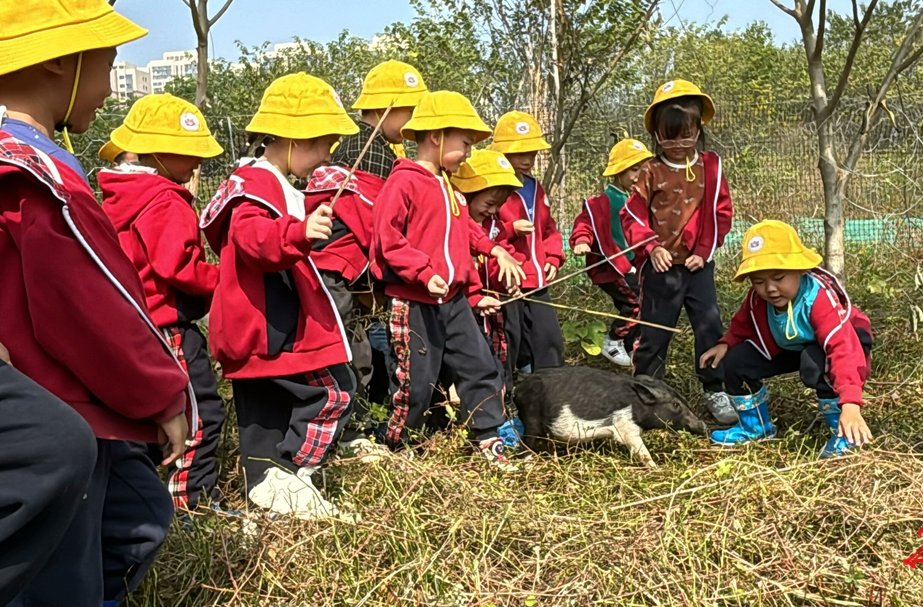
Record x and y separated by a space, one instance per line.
368 143
581 271
594 312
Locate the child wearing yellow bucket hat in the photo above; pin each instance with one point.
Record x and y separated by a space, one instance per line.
273 325
75 319
159 230
682 201
116 156
598 235
533 332
796 318
343 260
421 250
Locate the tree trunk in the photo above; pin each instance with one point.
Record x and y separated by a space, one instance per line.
201 85
834 189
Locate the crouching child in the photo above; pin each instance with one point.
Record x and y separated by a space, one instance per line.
274 326
598 235
420 249
796 317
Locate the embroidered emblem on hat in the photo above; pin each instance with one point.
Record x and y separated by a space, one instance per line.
523 128
411 80
755 244
638 146
337 99
667 87
189 122
461 199
503 162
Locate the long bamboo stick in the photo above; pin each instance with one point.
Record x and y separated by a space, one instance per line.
361 155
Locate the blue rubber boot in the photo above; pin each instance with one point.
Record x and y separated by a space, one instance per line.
511 432
836 446
754 424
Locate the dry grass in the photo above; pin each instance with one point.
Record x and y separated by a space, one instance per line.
765 525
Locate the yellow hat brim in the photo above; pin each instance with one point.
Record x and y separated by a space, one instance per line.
109 30
109 151
200 146
422 124
379 101
302 127
708 107
806 260
482 182
627 162
520 146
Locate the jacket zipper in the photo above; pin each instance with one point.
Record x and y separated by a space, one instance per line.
448 231
538 270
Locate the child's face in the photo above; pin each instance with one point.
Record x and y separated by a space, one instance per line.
627 179
92 89
394 122
487 203
680 148
777 287
125 158
180 168
308 154
456 148
523 163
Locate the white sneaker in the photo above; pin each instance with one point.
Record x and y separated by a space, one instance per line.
271 493
282 492
494 451
615 351
364 450
307 502
720 406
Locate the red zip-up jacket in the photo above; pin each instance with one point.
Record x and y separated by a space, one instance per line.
271 315
159 231
593 227
417 236
496 233
72 311
545 245
347 250
834 320
704 233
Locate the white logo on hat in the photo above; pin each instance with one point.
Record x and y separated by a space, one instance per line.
337 99
411 80
504 163
189 122
755 244
461 199
523 128
638 146
666 88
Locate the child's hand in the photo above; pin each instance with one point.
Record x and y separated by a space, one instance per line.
511 272
713 356
437 287
550 272
695 263
172 438
319 225
661 259
514 291
488 306
853 426
4 354
523 227
582 249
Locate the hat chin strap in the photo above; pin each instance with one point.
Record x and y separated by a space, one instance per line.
448 184
70 106
165 172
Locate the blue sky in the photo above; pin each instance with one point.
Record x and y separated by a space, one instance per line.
256 21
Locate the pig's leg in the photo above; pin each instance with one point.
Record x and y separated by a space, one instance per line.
627 432
638 447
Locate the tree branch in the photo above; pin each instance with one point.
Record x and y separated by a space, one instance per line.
850 59
196 24
790 12
821 27
221 12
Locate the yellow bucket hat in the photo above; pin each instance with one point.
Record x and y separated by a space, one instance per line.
485 169
33 31
518 132
391 81
679 88
774 245
445 110
109 151
624 155
299 106
164 124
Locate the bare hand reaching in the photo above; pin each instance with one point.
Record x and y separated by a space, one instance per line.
172 438
511 272
319 225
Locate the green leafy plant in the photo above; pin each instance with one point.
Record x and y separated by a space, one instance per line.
589 335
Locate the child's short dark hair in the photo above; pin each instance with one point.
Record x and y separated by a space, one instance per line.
673 116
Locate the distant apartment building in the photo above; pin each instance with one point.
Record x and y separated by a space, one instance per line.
174 64
128 80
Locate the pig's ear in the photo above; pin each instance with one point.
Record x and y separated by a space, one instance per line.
645 389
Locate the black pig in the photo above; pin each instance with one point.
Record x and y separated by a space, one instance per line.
577 404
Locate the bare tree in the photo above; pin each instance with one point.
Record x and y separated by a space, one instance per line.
203 24
835 174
